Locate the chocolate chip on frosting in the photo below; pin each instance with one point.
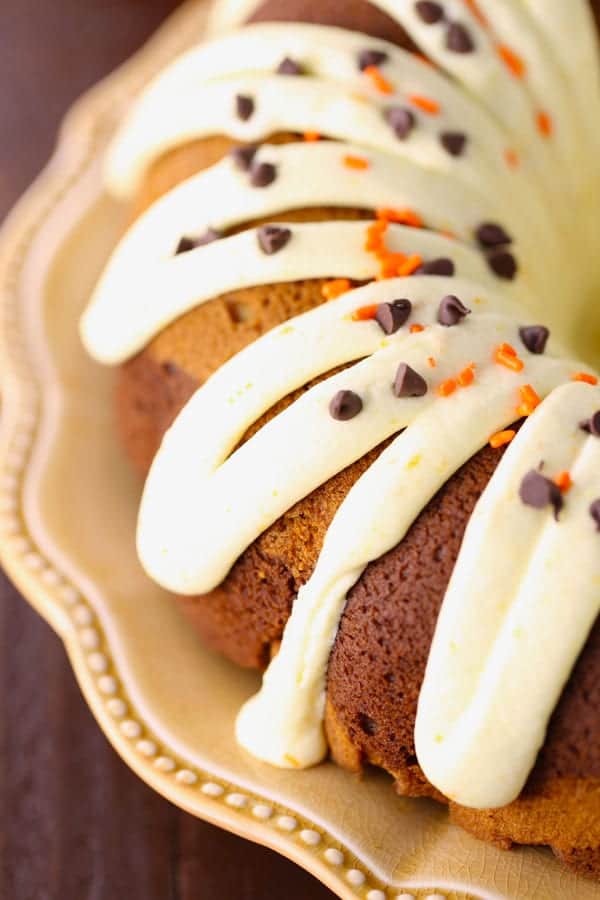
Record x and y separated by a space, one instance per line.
503 264
392 316
244 106
489 234
534 337
595 513
371 57
458 38
592 425
401 119
188 243
451 311
408 383
440 266
272 238
289 66
538 491
429 12
453 142
345 405
243 156
262 174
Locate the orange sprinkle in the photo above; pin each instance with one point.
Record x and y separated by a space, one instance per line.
544 123
563 481
311 136
501 438
506 356
415 328
426 104
446 233
475 11
356 162
511 60
364 313
447 387
410 264
400 216
332 289
530 399
431 362
466 377
379 82
390 264
508 349
375 233
512 158
586 377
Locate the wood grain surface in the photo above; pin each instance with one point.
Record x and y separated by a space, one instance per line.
75 823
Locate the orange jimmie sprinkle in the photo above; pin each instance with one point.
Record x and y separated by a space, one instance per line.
415 328
400 216
425 104
506 355
379 82
364 313
501 438
512 158
586 377
511 60
356 162
563 481
544 123
311 136
332 289
447 387
530 400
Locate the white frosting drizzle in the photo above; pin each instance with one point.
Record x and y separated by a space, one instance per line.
165 290
205 501
523 596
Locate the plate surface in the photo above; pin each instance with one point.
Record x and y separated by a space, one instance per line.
68 504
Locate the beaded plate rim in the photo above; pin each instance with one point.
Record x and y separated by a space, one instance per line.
53 594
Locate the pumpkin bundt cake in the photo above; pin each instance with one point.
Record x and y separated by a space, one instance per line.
349 316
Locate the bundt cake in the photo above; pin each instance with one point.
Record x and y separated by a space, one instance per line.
349 315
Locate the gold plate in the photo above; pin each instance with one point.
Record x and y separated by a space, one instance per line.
68 504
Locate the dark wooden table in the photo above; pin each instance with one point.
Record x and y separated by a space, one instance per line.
75 823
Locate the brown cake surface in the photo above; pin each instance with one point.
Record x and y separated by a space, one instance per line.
378 660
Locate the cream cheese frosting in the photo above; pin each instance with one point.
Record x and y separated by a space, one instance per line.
502 133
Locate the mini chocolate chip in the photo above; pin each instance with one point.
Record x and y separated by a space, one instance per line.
243 156
453 142
458 38
535 337
289 66
538 491
272 238
185 244
244 106
262 174
595 513
489 234
371 57
592 425
401 119
451 311
408 383
503 264
345 405
392 316
429 12
188 243
441 266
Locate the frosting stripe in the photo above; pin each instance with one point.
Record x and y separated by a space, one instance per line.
525 607
317 250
